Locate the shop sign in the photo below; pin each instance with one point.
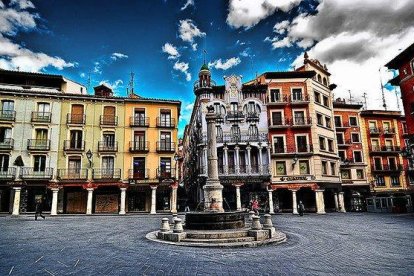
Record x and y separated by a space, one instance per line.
296 178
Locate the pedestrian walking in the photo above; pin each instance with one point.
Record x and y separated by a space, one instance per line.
255 206
301 208
39 209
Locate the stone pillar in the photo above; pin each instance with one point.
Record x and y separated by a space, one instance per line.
249 166
16 201
53 210
237 163
174 188
336 202
320 203
294 203
89 202
205 161
60 200
213 190
238 197
271 210
153 199
260 160
269 161
123 196
226 159
341 202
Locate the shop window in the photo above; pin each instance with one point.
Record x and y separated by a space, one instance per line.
395 180
380 180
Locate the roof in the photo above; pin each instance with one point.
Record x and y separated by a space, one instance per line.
402 57
343 104
22 73
289 74
204 67
378 113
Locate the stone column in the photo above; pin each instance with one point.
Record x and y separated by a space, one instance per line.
205 161
249 166
53 211
89 202
16 201
320 203
260 160
123 196
341 202
237 163
238 197
271 210
269 161
336 202
213 190
174 188
294 202
153 199
226 159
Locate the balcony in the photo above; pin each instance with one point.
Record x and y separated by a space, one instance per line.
198 85
341 125
351 162
108 120
138 121
138 174
276 124
28 173
74 145
281 101
164 173
388 131
72 174
385 149
344 143
38 144
41 117
138 146
374 131
387 168
7 174
6 144
106 174
300 150
300 122
105 146
7 116
235 115
242 170
299 100
252 116
75 119
242 138
165 147
165 123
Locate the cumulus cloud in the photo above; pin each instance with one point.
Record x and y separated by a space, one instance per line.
22 4
355 39
183 67
188 31
171 50
187 4
13 20
281 27
116 56
113 85
229 63
247 13
279 43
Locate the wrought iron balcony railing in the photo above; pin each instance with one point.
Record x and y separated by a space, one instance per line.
105 146
385 149
31 173
74 145
138 121
41 117
388 131
165 147
7 115
108 120
165 173
281 100
198 84
106 174
76 119
38 144
387 168
299 99
7 174
342 125
374 131
72 174
138 146
138 174
166 122
7 144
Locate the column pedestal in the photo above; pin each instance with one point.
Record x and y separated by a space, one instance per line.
271 209
89 202
320 203
238 197
16 201
53 211
294 203
123 196
153 200
174 198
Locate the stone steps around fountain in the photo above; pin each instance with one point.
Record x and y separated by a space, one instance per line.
219 241
225 234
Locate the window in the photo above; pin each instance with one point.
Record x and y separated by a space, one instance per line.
302 143
75 141
107 166
392 163
333 168
43 110
278 144
5 135
251 108
357 156
355 137
324 167
375 144
39 163
253 132
109 140
165 141
404 127
7 109
345 174
277 118
74 167
235 133
275 95
108 117
341 154
380 180
139 140
395 180
219 109
219 134
389 144
325 81
304 167
139 116
165 118
139 171
281 168
330 145
297 94
4 162
319 78
322 144
353 121
234 107
360 174
299 117
373 127
377 163
317 97
338 121
326 101
165 167
340 138
328 122
319 119
386 126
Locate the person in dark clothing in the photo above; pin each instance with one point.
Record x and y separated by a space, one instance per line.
39 209
301 208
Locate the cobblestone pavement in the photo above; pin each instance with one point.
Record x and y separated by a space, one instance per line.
375 244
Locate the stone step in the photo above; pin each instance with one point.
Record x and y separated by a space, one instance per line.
228 240
217 234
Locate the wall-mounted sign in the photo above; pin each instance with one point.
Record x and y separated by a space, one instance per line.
296 178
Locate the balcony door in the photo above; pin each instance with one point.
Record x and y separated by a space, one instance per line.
7 108
77 114
375 144
139 116
109 140
242 161
76 139
278 144
43 111
277 118
109 115
165 141
4 162
74 167
165 118
297 94
299 117
231 161
108 163
377 163
39 163
302 143
165 167
41 138
5 134
392 163
139 140
138 168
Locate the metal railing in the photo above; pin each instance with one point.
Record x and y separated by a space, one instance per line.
301 99
198 85
164 173
7 144
41 117
388 131
75 119
299 149
242 170
72 174
242 138
108 120
342 125
38 144
30 173
300 121
74 145
165 146
163 122
7 115
138 146
252 116
374 130
235 115
109 174
344 143
387 168
385 149
138 174
105 146
138 121
282 100
9 173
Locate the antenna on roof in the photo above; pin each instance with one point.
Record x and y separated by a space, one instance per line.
350 96
88 83
131 83
384 104
365 100
396 95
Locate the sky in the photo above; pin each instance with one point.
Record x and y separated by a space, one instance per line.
163 42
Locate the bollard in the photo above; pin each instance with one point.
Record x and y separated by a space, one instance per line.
165 225
251 214
267 221
178 226
256 223
174 217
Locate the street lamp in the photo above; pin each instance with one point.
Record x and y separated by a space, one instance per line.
295 160
89 156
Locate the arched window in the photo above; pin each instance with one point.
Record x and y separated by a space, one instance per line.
235 133
325 82
219 109
219 134
253 132
319 78
252 108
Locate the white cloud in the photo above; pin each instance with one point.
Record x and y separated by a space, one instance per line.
183 67
97 69
12 20
187 4
171 50
194 46
189 106
113 85
247 13
356 38
229 63
279 43
281 27
116 56
22 4
188 31
82 75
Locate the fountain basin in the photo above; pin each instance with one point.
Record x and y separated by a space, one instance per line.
214 221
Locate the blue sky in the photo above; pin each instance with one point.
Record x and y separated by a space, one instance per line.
162 41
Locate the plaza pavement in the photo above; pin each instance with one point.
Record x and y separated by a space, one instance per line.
340 244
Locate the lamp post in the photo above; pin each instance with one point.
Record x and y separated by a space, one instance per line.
89 156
